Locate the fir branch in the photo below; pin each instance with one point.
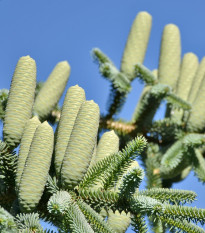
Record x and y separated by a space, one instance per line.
148 105
3 101
172 195
7 223
120 83
108 70
138 223
166 129
145 74
177 102
194 140
156 224
94 219
172 160
115 102
181 224
51 185
179 155
100 57
68 213
130 181
98 199
111 167
184 212
28 223
119 80
199 165
145 205
152 167
8 161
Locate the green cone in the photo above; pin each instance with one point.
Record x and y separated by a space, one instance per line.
108 144
26 140
81 144
74 98
119 221
52 90
36 169
187 72
170 56
20 100
136 45
197 81
196 121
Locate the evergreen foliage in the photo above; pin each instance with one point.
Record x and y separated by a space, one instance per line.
82 184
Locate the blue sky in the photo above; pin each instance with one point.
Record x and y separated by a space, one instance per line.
51 31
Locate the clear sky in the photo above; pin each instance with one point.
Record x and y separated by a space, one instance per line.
55 30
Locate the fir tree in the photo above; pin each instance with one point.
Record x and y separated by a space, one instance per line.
82 182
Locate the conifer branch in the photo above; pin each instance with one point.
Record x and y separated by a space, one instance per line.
145 74
199 165
184 212
149 104
118 79
166 129
130 181
7 223
180 153
177 102
100 57
181 224
145 205
152 167
51 185
28 223
172 195
94 219
8 162
111 167
115 102
138 223
98 199
3 101
68 213
120 83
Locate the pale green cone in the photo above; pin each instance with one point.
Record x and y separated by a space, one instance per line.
26 140
52 90
170 56
187 73
81 144
119 221
92 162
155 72
108 144
136 45
36 169
197 81
196 121
20 100
74 98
